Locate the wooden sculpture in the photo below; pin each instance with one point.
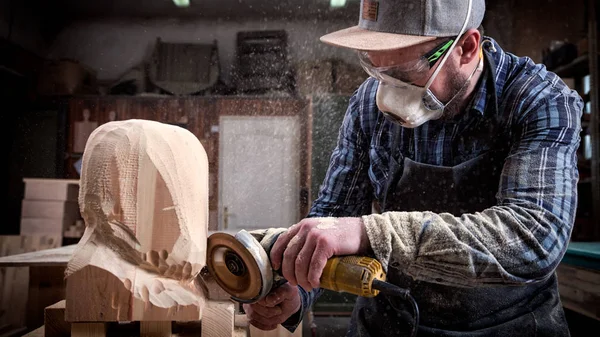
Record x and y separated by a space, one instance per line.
144 199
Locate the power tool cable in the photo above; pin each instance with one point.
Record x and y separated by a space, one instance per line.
394 290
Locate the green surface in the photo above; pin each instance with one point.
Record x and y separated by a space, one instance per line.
583 254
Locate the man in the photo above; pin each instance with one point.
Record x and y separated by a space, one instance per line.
469 154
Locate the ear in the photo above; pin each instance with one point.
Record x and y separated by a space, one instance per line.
469 46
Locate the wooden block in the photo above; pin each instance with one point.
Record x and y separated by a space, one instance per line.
53 209
54 321
51 189
579 289
155 329
88 329
94 294
144 188
45 226
218 319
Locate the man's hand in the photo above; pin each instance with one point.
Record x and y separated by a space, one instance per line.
304 249
275 308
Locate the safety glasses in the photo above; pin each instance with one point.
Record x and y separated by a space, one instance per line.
405 73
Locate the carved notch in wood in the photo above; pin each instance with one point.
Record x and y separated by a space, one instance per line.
144 199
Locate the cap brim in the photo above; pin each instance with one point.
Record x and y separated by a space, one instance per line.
368 40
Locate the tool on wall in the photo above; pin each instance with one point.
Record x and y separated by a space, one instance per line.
240 265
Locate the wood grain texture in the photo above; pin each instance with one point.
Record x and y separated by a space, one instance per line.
144 199
14 280
88 330
39 332
155 329
46 257
218 319
54 321
579 289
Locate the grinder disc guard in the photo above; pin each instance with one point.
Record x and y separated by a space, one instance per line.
240 266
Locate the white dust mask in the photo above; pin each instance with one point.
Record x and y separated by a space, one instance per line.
404 105
411 105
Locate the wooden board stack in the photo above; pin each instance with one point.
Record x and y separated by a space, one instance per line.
49 206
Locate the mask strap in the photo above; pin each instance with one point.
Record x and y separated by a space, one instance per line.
462 30
478 68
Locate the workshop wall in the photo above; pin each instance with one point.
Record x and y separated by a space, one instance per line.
112 47
20 24
526 28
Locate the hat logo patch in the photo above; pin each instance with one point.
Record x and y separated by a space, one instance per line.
370 10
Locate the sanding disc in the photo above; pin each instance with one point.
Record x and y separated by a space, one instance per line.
237 264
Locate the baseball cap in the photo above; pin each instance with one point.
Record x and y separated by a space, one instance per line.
394 24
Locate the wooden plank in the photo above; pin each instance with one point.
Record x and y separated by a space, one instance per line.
54 321
88 330
155 329
218 319
54 209
579 289
51 189
47 257
39 332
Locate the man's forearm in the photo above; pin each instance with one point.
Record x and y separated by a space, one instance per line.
501 245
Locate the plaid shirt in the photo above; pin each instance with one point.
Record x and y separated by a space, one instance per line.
537 195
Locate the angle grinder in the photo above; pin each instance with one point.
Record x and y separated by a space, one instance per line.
240 265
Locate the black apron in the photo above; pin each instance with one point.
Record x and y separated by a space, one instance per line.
532 310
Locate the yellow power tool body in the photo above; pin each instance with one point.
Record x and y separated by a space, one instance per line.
240 265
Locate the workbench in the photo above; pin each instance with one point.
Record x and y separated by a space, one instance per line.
47 289
578 274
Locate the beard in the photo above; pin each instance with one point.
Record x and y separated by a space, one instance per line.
457 88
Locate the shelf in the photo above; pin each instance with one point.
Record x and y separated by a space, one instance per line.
577 68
